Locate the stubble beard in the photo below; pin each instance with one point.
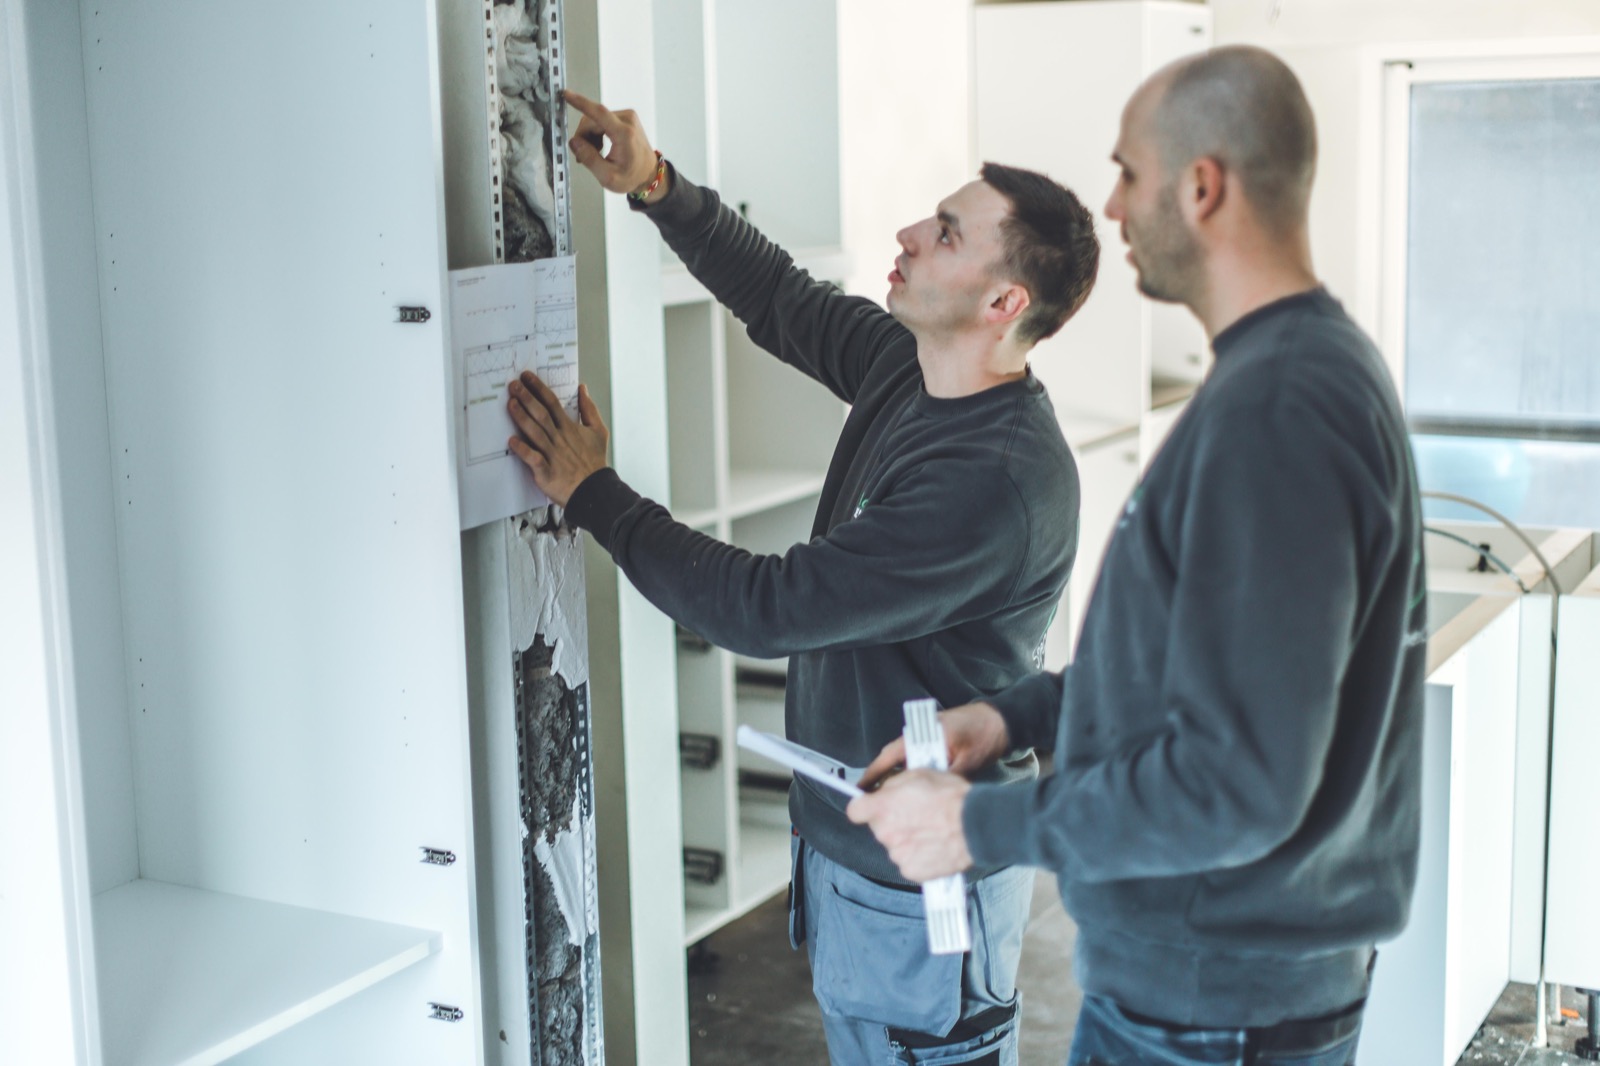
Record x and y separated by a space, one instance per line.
1167 256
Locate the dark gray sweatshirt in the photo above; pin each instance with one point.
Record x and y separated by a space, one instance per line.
944 536
1234 816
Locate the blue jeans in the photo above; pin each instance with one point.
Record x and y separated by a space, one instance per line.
885 1000
1106 1036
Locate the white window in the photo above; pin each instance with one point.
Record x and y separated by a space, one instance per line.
1490 303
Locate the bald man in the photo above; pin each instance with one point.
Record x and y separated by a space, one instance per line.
1234 813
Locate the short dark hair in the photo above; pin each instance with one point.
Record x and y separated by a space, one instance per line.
1049 247
1243 107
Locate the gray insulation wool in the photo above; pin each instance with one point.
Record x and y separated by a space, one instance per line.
554 768
559 969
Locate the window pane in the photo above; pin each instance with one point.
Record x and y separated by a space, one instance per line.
1533 482
1503 286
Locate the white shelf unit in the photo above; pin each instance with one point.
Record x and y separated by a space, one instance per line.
1477 912
262 582
740 84
1121 371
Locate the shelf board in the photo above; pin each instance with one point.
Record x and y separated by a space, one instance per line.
699 922
1084 430
1164 393
191 978
753 491
703 519
679 287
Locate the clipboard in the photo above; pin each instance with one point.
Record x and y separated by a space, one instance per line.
802 760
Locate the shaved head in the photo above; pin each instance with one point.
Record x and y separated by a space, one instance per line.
1244 108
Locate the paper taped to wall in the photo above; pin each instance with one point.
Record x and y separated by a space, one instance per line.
503 320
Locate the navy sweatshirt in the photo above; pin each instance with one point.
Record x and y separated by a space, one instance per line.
1234 815
944 536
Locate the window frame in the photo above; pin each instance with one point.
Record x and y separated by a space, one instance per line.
1389 72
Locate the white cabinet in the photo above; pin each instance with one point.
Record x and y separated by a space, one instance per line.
1477 910
1051 82
255 566
1572 946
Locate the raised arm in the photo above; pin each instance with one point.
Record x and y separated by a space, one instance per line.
807 323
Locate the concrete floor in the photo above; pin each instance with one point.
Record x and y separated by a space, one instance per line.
750 999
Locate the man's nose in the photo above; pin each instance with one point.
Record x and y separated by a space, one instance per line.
905 238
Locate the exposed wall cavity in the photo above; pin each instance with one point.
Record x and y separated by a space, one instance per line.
528 206
548 627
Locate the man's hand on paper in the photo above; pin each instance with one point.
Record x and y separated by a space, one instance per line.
917 817
974 735
559 451
630 165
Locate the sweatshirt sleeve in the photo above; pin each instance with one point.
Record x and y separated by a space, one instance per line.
1260 631
901 569
807 323
1031 709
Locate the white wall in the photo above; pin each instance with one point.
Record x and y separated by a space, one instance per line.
905 74
1323 41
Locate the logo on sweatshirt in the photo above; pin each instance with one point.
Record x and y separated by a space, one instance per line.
1044 638
1132 507
862 506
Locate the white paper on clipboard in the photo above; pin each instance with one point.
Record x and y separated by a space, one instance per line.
801 759
505 319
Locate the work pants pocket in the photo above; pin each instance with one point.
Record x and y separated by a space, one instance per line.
870 958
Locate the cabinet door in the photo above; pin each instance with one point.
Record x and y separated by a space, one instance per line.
267 194
1108 473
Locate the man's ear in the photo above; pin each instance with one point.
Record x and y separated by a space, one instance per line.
1205 188
1006 305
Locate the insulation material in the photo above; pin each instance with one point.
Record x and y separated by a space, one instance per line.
548 628
544 579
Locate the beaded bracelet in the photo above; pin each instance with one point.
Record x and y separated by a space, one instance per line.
649 190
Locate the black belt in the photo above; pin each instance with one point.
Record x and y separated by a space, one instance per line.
894 885
1295 1034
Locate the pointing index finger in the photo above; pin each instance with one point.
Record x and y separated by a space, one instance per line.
592 109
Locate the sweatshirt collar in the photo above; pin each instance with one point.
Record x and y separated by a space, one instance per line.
1234 335
952 407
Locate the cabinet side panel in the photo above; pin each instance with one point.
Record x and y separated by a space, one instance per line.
46 984
60 141
1531 811
1479 922
1572 942
1404 1021
268 192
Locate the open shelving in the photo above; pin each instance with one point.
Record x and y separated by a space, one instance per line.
750 438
